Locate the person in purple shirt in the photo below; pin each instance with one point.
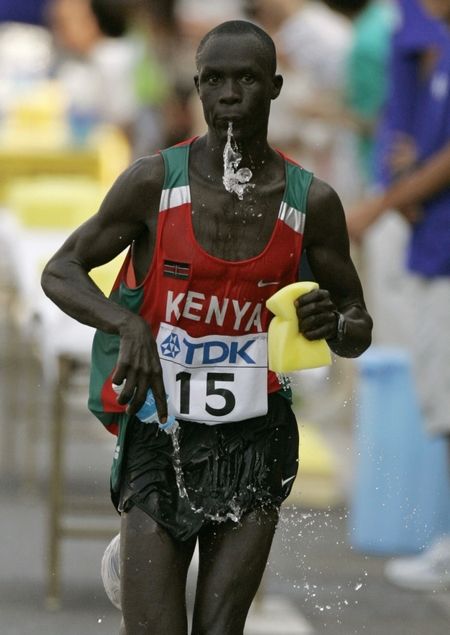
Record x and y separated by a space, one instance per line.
418 186
417 32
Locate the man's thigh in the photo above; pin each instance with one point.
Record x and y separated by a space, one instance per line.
153 571
232 562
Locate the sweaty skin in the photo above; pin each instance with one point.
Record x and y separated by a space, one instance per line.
234 83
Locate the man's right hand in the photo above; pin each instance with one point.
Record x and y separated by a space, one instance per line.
139 367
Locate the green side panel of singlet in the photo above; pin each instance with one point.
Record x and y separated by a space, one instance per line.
105 350
103 360
176 161
298 181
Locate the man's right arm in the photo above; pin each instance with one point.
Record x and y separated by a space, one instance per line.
128 212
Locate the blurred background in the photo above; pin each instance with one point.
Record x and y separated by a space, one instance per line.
87 86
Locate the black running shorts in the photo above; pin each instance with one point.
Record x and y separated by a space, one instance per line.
227 470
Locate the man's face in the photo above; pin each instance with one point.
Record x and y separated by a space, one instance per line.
235 83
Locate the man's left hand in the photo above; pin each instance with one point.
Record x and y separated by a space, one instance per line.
317 315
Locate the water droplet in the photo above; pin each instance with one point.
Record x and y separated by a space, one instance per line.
235 181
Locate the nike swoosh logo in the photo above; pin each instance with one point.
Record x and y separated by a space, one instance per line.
286 480
263 283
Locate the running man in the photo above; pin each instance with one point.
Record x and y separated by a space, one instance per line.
187 317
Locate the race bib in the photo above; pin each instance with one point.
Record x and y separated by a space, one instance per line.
214 379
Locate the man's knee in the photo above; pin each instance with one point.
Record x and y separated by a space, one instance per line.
224 615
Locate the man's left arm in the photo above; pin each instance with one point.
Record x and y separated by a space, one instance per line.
336 311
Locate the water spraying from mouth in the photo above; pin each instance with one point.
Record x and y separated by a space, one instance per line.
236 181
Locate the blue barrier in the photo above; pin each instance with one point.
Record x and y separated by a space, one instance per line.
401 494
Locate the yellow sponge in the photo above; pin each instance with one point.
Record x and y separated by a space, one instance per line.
289 350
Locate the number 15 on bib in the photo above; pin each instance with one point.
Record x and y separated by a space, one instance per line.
216 378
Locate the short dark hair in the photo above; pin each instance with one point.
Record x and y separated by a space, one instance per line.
241 27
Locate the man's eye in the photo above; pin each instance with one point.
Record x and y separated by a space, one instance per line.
248 78
213 79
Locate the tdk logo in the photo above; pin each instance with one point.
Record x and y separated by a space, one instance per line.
217 352
209 352
170 347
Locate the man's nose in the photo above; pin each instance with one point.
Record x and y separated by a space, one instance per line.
230 92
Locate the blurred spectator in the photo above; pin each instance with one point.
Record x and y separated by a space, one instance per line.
312 42
416 36
25 64
366 71
94 69
364 93
27 11
420 174
199 16
301 27
388 283
163 80
115 62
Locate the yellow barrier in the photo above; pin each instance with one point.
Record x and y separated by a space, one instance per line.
48 202
102 159
317 485
105 276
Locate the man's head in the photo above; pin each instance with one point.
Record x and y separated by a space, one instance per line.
236 78
244 29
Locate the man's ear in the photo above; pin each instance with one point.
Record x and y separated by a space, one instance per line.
196 83
277 83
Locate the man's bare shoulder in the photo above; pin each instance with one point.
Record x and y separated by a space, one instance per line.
325 216
145 174
136 191
321 194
